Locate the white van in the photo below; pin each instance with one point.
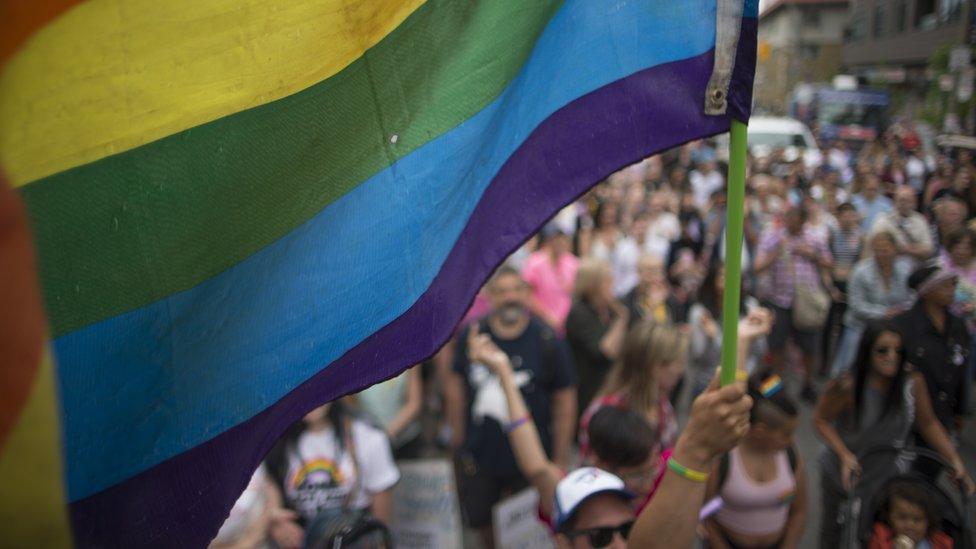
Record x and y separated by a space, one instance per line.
767 133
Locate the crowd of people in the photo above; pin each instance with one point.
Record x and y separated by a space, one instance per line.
858 278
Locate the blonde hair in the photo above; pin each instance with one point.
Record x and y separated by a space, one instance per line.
589 276
647 347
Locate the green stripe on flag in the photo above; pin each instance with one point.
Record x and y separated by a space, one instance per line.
133 228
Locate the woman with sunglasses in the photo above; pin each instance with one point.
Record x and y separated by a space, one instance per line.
876 404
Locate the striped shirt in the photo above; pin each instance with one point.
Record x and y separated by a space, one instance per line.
789 269
846 246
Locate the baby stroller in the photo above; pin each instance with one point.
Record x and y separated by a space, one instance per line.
882 465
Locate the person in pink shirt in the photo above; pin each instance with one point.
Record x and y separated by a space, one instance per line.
550 273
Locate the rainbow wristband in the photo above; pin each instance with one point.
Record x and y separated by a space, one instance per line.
686 473
516 424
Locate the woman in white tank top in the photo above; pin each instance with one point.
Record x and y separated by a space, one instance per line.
761 482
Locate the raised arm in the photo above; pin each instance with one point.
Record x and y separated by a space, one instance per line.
612 341
834 400
756 324
719 419
522 433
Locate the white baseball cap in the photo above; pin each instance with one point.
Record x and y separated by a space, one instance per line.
582 484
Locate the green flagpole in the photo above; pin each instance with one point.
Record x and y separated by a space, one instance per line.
733 249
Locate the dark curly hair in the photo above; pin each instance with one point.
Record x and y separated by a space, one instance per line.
914 493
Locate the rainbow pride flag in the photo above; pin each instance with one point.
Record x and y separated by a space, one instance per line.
243 209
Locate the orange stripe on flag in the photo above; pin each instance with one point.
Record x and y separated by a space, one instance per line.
22 321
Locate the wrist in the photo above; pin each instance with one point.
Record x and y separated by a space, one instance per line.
687 473
503 369
693 456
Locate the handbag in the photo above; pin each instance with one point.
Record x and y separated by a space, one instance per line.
811 304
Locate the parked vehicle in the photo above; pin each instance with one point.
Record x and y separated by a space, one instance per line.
854 115
767 134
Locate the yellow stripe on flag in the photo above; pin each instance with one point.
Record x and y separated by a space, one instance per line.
110 75
32 507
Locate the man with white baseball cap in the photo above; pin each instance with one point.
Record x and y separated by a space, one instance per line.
593 504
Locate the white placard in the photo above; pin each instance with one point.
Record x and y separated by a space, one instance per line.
517 525
425 506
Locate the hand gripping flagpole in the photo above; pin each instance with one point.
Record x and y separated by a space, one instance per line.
735 212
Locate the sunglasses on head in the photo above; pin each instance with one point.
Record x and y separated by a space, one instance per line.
603 536
887 350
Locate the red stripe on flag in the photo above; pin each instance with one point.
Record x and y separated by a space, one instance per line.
20 18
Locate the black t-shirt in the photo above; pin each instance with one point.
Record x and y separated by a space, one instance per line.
942 359
542 365
584 331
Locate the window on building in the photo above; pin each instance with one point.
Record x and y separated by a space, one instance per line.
925 16
950 11
901 15
810 17
878 25
859 26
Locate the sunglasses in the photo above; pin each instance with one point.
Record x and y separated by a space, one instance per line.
603 536
887 351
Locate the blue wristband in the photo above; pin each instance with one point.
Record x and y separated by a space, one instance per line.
516 424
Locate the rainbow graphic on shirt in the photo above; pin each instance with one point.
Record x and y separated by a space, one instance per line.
787 497
315 466
771 386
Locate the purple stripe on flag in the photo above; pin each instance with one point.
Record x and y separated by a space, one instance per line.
182 501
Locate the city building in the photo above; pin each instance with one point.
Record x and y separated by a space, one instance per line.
892 43
799 41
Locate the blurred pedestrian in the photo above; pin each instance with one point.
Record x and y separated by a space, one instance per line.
937 343
595 327
878 290
652 298
705 180
846 243
663 226
870 202
395 406
950 213
959 258
325 464
550 273
651 363
877 404
792 260
705 323
763 481
910 229
486 468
